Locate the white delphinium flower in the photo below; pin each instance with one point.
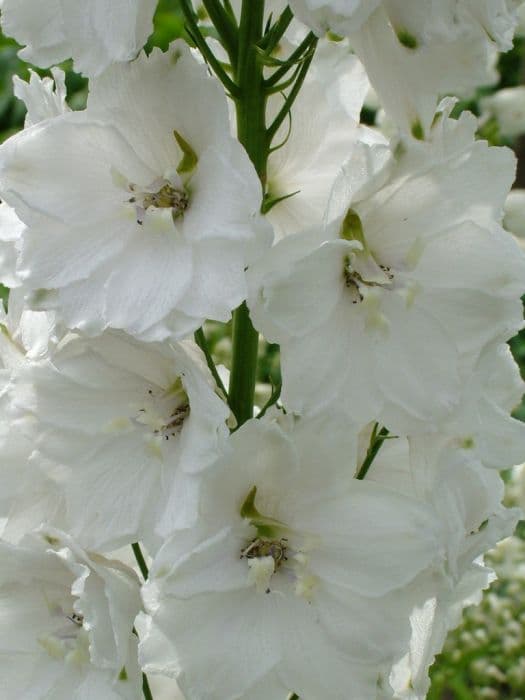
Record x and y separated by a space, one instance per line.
67 618
410 71
403 289
508 107
11 230
340 16
142 212
483 422
430 624
451 19
317 141
466 498
514 220
26 334
30 494
303 566
95 33
163 688
128 420
44 98
416 50
311 145
447 19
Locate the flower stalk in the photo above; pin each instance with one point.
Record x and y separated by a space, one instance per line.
251 130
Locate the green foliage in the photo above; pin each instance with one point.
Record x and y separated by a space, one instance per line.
168 25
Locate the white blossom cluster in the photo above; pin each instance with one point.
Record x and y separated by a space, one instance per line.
317 547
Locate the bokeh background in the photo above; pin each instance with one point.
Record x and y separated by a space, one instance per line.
484 659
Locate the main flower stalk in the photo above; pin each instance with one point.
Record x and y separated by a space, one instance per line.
251 131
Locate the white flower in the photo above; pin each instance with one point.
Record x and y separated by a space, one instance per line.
68 619
420 19
416 50
318 140
340 16
95 33
128 421
514 220
451 19
430 624
163 688
466 498
30 494
482 422
142 211
44 97
410 68
296 571
11 229
463 495
508 107
26 333
400 292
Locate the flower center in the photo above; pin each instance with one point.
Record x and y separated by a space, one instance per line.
270 551
360 268
165 411
276 549
161 194
356 278
69 642
265 557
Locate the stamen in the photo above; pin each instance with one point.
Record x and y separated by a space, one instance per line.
167 196
76 619
264 557
260 548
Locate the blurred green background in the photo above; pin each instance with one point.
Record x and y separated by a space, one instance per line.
485 657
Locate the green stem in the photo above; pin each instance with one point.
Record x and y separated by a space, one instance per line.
290 99
201 341
140 560
375 445
251 103
251 131
296 57
276 33
276 394
244 365
195 33
146 690
225 26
